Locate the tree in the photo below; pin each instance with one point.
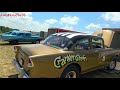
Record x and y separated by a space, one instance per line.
4 29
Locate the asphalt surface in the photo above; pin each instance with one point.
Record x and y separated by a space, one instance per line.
103 73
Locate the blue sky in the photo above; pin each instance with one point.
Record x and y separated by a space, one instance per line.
80 21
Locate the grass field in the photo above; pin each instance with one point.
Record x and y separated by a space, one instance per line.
6 57
7 70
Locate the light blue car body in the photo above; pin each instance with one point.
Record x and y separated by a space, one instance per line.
20 36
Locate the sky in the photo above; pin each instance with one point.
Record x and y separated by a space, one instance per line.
87 22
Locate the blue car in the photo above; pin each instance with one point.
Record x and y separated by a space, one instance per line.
14 37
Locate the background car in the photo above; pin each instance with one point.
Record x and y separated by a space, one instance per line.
18 36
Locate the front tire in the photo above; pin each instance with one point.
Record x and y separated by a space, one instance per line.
71 72
112 65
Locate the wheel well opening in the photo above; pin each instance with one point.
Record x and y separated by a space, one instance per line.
77 65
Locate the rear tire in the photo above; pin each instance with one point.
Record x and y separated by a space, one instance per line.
71 72
13 42
37 42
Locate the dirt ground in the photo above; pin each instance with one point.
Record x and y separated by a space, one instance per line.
7 70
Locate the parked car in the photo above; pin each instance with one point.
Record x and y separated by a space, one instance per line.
18 36
64 55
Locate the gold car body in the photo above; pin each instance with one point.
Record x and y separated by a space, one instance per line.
50 62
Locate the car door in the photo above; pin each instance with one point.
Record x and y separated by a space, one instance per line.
83 48
27 37
97 47
20 37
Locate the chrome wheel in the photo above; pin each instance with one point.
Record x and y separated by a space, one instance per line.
37 42
71 74
112 65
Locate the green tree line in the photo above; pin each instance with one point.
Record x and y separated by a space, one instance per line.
4 29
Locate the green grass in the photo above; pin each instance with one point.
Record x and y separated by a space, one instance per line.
6 57
8 70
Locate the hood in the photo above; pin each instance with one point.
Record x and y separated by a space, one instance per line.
39 49
6 36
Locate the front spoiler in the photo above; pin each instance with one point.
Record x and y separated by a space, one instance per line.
22 74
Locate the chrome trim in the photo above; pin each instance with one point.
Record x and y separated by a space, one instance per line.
22 54
22 74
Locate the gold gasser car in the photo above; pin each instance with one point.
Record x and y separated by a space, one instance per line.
64 55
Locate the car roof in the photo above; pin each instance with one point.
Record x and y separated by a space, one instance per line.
76 36
20 32
71 35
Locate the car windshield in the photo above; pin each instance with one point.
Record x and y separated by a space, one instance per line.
57 41
13 33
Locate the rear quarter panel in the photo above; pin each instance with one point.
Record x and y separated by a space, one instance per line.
34 38
44 65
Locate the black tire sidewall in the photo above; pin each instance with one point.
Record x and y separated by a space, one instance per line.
70 68
10 42
37 41
108 68
14 42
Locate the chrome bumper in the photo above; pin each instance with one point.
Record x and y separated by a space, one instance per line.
1 40
20 69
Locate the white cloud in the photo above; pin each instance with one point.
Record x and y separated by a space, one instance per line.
107 25
93 26
111 16
27 22
51 21
88 32
23 22
69 20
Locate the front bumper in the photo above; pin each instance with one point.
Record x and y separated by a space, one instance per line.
1 39
22 73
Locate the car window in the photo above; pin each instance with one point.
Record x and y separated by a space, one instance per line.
100 35
81 45
27 34
13 33
57 41
97 43
20 34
